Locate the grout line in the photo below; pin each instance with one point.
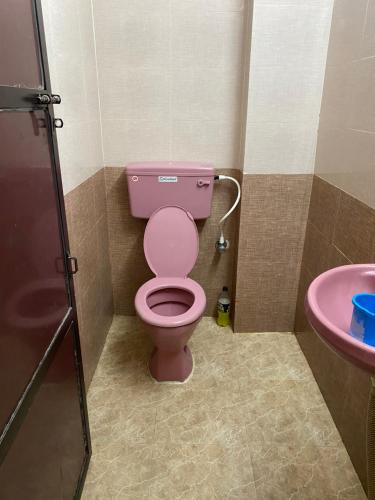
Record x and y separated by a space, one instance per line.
97 80
364 23
170 80
362 131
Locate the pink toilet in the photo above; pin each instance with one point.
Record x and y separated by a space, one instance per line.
171 195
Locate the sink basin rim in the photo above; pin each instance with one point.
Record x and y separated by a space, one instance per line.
357 352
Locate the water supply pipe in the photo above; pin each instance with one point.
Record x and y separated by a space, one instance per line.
222 244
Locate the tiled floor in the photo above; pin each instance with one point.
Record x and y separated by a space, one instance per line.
250 424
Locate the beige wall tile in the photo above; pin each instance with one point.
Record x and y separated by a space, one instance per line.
309 3
299 46
283 92
205 140
336 98
362 100
279 148
71 51
346 138
135 93
346 31
345 158
138 34
207 36
225 5
193 96
368 40
170 77
288 53
125 141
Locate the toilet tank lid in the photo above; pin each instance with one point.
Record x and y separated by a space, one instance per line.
182 168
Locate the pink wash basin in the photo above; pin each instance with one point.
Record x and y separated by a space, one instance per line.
329 310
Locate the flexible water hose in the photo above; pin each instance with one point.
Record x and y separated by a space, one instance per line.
222 220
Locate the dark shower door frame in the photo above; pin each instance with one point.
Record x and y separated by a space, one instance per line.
25 99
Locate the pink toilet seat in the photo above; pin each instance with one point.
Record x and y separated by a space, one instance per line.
171 245
192 314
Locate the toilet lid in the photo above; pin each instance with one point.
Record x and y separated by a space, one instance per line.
171 242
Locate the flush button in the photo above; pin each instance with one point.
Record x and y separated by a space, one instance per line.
135 178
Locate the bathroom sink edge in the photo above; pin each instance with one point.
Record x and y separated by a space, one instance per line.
340 341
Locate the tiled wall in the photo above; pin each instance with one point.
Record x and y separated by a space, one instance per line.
346 146
272 226
341 221
71 53
88 237
289 41
129 267
170 78
340 231
72 62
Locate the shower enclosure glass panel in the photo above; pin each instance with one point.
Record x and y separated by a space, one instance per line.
33 293
47 455
19 45
44 434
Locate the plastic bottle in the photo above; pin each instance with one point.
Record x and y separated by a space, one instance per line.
223 308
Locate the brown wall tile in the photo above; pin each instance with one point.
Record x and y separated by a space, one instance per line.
129 267
324 205
80 214
100 201
266 297
272 227
301 324
345 390
352 421
88 238
355 229
336 258
316 251
339 240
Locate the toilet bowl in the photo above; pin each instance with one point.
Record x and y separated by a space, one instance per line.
171 304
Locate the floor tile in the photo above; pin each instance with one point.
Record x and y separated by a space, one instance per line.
250 424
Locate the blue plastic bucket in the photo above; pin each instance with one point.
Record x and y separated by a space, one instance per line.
363 321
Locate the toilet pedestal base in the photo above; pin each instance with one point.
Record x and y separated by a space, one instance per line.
167 366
